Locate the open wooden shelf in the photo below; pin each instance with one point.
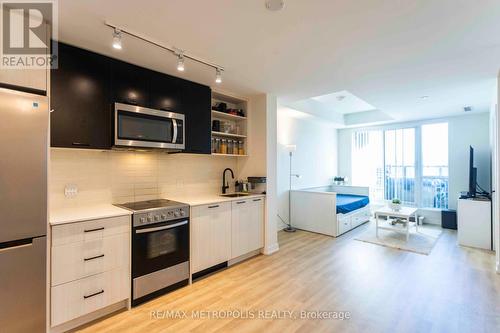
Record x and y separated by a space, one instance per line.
229 155
229 135
223 115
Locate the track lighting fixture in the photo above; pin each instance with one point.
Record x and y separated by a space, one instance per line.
117 39
218 75
179 53
180 62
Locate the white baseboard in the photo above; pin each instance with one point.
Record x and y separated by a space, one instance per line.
270 249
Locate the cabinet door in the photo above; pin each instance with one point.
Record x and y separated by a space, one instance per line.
165 93
29 80
130 83
256 236
211 235
196 101
247 226
80 99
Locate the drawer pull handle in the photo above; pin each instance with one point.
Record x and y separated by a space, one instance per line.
94 294
92 258
92 230
257 199
214 206
240 202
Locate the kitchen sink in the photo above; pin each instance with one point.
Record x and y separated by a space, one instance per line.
235 195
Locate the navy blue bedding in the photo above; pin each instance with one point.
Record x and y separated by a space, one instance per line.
348 202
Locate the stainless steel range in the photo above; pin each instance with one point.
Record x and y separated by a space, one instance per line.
160 247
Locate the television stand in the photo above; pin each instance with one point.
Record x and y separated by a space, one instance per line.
474 222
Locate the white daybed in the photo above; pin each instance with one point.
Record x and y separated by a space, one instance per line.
315 209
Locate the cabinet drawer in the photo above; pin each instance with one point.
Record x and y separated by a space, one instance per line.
214 208
77 260
358 219
80 297
344 224
89 230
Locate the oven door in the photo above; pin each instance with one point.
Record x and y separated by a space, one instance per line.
142 127
159 246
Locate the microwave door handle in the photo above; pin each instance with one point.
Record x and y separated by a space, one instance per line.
174 124
143 231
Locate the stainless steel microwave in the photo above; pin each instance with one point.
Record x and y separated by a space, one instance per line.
140 127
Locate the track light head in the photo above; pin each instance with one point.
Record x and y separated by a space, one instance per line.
117 39
218 75
180 62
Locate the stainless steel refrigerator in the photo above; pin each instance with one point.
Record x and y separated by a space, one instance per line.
24 120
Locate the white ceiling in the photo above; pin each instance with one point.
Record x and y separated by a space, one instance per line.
386 52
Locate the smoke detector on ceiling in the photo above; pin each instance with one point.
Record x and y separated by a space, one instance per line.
340 98
275 5
467 108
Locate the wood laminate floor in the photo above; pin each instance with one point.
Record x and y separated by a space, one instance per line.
454 289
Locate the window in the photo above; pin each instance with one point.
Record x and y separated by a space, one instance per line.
406 163
435 166
368 162
399 165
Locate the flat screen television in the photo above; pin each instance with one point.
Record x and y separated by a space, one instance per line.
472 175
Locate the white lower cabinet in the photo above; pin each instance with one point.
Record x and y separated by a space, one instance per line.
224 231
77 298
247 226
90 267
211 235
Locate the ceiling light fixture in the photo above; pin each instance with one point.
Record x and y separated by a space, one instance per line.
117 39
180 54
424 97
180 62
218 75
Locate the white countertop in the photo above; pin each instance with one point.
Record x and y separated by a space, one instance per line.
85 213
102 211
205 199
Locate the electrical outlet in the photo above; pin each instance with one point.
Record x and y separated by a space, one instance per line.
70 190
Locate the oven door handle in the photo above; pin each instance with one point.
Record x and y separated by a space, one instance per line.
143 231
174 123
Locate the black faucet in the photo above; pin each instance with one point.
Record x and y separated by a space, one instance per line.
224 186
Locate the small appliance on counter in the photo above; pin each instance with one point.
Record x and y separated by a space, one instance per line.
257 185
160 247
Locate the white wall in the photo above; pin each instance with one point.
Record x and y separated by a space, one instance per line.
315 158
462 131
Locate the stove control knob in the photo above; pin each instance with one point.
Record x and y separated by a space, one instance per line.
142 220
157 217
163 216
170 213
150 218
183 212
177 214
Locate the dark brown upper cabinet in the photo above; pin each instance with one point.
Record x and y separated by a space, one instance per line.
129 83
165 92
80 90
196 103
86 85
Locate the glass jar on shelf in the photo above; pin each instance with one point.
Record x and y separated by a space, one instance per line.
241 148
223 146
217 146
229 146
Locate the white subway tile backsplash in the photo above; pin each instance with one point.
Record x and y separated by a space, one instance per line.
123 176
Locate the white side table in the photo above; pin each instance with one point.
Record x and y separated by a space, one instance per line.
404 213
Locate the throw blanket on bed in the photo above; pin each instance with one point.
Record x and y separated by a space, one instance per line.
347 203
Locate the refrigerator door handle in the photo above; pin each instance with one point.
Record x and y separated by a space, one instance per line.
9 246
